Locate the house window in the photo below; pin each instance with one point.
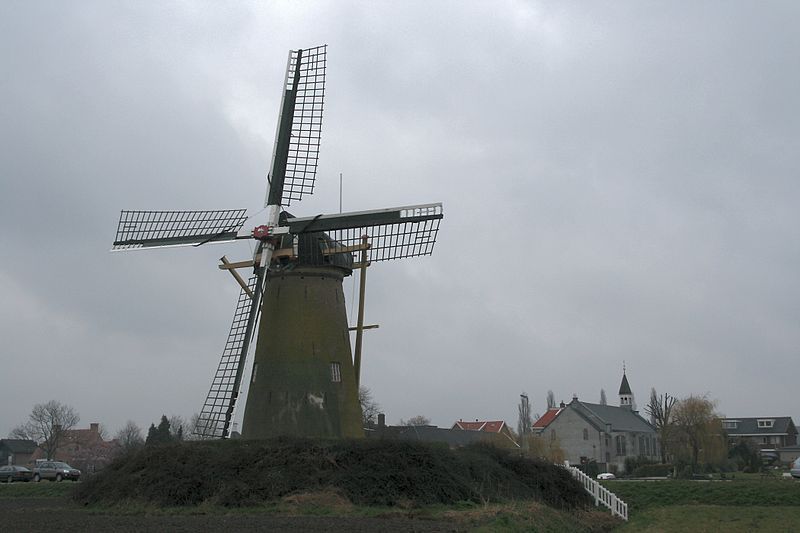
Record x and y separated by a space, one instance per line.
765 423
552 434
620 441
585 434
336 372
730 424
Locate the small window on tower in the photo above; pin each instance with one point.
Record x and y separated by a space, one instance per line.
336 372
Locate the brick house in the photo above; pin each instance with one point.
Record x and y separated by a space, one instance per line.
498 431
765 432
84 449
16 451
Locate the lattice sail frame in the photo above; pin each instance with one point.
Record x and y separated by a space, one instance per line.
216 412
153 229
301 165
394 233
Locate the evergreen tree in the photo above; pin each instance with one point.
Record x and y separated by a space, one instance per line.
151 435
160 434
163 430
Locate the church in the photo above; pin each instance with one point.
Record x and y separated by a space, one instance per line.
606 434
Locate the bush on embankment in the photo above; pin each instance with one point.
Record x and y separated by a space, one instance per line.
368 472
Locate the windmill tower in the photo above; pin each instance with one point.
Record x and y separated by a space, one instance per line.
302 380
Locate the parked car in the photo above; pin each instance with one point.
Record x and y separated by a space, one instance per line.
795 470
55 471
15 473
606 475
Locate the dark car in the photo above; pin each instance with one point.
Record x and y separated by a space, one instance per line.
15 473
55 471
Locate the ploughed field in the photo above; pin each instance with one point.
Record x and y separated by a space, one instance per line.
54 513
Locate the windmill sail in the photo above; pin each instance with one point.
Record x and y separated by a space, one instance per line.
158 229
393 233
296 150
215 417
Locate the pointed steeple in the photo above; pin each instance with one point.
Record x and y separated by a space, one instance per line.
624 387
625 394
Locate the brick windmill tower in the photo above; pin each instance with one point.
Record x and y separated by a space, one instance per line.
301 378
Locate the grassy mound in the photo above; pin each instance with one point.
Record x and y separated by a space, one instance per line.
235 473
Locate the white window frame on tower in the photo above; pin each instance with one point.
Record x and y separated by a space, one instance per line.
336 372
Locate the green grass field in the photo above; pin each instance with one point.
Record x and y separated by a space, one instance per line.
45 489
713 518
641 495
748 503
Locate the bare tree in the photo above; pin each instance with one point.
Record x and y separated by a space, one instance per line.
660 410
102 430
418 420
603 399
177 426
651 406
46 425
369 407
524 421
130 436
190 430
551 399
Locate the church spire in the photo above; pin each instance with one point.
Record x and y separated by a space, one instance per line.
625 394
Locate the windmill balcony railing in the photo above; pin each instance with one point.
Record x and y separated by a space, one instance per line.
600 494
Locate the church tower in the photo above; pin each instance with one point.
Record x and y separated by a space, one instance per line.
625 394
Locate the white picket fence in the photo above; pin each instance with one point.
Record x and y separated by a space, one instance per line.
600 493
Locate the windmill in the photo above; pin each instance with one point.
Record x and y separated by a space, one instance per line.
302 380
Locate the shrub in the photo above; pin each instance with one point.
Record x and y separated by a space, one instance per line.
236 473
632 463
653 470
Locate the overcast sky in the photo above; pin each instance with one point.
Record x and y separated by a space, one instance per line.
619 180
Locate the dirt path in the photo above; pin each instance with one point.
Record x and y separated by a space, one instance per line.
60 514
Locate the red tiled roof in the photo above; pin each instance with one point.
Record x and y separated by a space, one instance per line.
488 426
546 418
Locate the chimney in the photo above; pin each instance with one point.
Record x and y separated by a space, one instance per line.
94 427
562 405
381 420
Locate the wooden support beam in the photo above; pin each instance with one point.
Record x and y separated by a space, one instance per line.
346 249
236 276
360 325
371 326
283 252
239 264
362 264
